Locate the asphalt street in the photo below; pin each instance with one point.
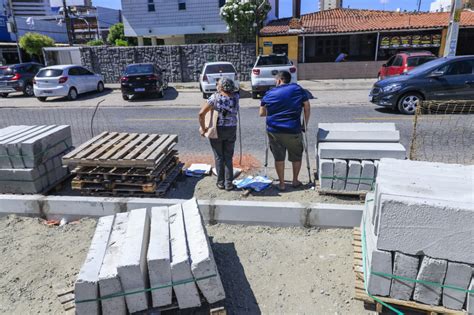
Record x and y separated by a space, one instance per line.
179 116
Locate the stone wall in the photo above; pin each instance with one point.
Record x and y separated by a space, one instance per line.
181 62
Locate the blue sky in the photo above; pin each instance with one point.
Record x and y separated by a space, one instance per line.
312 5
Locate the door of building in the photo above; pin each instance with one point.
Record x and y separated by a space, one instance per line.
280 49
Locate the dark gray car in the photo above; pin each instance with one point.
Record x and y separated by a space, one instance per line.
18 78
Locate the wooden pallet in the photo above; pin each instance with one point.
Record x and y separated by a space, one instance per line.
113 149
360 193
361 294
66 298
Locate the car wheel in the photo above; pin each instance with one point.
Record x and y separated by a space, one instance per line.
4 95
408 102
254 95
28 90
100 87
125 97
72 95
41 99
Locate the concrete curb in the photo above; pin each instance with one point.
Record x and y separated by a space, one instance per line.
213 211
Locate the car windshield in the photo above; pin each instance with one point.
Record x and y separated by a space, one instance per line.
135 69
272 60
49 73
6 71
427 66
220 68
419 60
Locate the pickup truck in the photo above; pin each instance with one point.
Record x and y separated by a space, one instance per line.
265 69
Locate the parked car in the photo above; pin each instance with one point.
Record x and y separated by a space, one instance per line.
265 69
404 62
448 78
18 78
141 79
66 80
213 71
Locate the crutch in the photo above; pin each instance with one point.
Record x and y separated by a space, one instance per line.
305 142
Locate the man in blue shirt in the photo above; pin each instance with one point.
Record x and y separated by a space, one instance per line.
283 106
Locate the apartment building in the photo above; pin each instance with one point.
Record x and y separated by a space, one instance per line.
329 4
31 7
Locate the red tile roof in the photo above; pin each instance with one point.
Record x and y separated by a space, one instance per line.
354 20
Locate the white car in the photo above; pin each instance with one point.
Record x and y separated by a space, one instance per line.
265 69
66 80
211 72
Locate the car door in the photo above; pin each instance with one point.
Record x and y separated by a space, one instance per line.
90 79
456 81
396 67
75 79
387 65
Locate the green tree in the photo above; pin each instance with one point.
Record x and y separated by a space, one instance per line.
116 31
121 42
95 42
33 43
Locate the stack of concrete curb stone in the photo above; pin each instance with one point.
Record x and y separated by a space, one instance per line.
166 249
30 157
419 224
348 153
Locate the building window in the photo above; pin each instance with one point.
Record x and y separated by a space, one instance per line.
151 6
181 4
221 3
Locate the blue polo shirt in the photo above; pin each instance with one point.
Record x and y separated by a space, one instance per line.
284 105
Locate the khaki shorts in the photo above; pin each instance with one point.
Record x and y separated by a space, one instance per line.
282 142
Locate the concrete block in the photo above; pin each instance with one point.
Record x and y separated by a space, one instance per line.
360 150
334 215
109 281
340 174
470 299
183 281
353 175
457 275
159 257
384 136
8 131
432 270
404 266
442 229
358 126
31 151
367 172
326 173
86 286
132 268
202 259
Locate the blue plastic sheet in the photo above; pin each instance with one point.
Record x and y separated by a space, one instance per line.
257 183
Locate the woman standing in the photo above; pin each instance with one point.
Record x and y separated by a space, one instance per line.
226 102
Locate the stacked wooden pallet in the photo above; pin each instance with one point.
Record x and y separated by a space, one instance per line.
125 164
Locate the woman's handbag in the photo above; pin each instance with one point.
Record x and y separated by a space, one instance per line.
210 121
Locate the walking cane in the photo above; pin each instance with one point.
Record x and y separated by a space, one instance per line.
306 149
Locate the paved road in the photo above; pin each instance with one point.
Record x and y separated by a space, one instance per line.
179 116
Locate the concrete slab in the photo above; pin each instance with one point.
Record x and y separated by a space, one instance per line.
353 175
367 175
470 299
326 173
340 174
7 131
159 257
457 275
361 150
444 229
86 286
432 270
109 281
132 268
376 260
358 136
183 281
203 264
404 266
358 126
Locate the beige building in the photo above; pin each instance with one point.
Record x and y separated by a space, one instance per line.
329 4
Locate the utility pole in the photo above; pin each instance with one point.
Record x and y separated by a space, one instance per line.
15 30
67 20
451 42
419 5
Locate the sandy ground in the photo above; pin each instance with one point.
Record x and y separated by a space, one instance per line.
267 270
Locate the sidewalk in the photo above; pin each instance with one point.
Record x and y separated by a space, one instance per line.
312 85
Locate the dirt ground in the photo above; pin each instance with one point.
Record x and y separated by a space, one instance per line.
264 270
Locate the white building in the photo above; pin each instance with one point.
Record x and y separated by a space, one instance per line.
440 6
59 3
329 4
171 20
